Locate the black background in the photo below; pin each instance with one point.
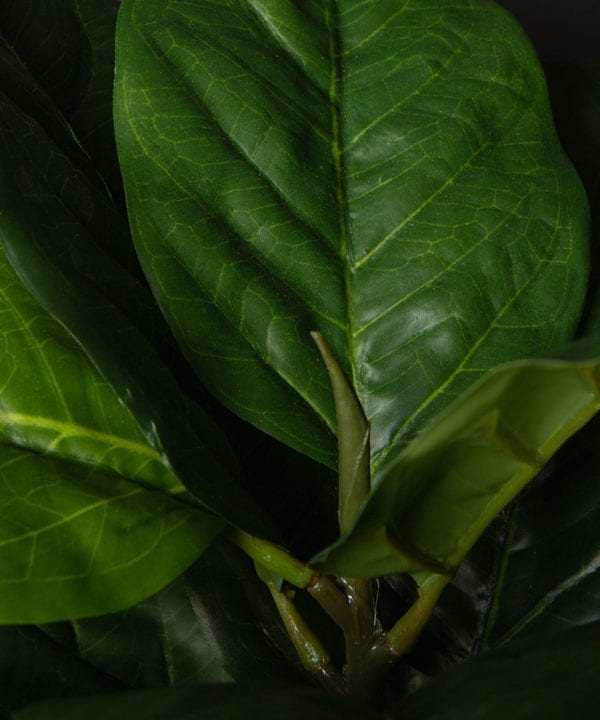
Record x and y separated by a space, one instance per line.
560 29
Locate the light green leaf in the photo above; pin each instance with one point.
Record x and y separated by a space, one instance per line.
431 506
78 541
384 172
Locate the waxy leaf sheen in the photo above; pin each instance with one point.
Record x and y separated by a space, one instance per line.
95 435
385 172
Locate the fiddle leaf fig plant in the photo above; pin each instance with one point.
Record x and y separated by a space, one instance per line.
288 358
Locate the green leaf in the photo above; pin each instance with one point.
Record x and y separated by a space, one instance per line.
385 173
34 667
214 624
91 119
52 262
79 541
206 703
549 574
452 480
552 678
158 642
103 438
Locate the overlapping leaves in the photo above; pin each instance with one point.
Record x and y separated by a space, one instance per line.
384 172
95 434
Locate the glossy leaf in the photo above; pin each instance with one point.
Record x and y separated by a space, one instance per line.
549 577
384 173
98 425
552 678
235 609
78 541
64 271
205 703
214 624
152 644
465 467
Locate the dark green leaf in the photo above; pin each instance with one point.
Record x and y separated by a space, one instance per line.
34 667
157 642
453 479
551 679
386 173
202 704
217 623
549 576
235 611
92 117
82 289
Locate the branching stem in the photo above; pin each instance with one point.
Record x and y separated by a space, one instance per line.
311 652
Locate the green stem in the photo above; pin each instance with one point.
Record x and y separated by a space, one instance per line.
354 486
332 600
361 636
311 652
273 557
402 637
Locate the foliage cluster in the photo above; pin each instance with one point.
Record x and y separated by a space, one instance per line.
299 333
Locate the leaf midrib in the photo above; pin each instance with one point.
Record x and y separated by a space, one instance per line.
66 429
337 152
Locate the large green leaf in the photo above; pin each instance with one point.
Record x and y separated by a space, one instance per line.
549 679
91 423
78 541
385 172
432 505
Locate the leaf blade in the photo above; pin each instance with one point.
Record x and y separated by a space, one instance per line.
287 212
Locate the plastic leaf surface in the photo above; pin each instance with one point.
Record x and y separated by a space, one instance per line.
385 173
